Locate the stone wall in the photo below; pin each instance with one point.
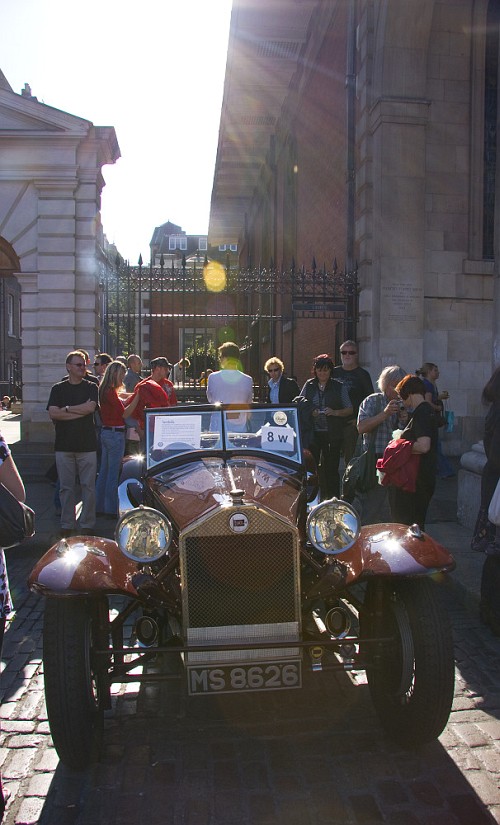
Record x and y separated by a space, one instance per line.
50 190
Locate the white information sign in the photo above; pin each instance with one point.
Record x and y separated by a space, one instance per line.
278 439
170 430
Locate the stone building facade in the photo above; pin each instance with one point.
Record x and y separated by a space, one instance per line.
367 130
50 193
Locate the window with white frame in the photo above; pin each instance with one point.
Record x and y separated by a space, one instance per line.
177 242
222 247
233 247
202 244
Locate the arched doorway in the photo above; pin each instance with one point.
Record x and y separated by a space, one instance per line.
10 322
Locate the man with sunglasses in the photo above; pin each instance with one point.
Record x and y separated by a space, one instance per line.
280 389
71 406
101 361
359 386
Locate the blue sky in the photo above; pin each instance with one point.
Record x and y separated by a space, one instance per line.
153 70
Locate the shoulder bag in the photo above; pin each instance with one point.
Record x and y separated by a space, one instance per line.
440 415
360 475
17 520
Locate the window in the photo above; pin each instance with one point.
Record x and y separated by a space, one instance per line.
490 127
177 242
222 247
10 314
233 247
202 244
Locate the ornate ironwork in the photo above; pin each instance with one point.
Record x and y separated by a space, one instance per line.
144 303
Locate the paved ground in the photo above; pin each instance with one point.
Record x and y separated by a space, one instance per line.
310 757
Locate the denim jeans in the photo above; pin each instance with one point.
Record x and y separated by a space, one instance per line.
112 450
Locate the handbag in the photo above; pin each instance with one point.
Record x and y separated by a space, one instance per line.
494 508
399 466
17 520
449 417
360 475
441 415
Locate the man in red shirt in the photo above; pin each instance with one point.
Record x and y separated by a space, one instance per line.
154 391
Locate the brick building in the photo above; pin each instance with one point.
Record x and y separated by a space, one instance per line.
368 131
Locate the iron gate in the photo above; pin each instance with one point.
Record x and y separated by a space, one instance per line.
190 310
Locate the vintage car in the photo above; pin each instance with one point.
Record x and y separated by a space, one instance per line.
222 560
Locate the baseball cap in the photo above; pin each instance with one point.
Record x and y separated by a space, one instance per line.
161 361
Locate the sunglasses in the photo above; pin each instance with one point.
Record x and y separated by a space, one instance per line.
274 369
348 352
77 365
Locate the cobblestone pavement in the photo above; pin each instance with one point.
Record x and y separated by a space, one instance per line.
316 756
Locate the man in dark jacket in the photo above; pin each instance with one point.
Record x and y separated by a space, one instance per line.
280 389
359 385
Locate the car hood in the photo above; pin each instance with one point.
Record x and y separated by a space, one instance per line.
188 492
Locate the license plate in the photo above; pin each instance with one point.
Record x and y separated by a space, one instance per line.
244 678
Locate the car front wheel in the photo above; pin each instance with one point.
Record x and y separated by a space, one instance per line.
74 685
411 674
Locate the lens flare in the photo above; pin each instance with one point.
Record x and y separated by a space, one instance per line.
225 333
214 276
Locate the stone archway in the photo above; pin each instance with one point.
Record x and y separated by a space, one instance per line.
9 262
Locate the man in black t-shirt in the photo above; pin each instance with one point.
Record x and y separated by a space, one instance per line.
359 386
71 406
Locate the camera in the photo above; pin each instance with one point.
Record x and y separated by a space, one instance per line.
401 406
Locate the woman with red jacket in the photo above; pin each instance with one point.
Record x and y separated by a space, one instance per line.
111 409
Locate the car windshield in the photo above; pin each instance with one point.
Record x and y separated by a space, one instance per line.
176 431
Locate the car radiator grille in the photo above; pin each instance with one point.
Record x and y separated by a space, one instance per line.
248 579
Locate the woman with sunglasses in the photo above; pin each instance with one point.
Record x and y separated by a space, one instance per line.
331 404
280 389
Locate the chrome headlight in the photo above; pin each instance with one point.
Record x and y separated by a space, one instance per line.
333 526
143 535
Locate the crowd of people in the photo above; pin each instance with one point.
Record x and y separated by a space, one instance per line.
99 418
8 402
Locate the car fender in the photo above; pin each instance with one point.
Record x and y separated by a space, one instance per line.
83 565
395 550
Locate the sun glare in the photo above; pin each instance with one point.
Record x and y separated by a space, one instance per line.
214 276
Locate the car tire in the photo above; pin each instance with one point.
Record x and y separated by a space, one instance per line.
411 678
75 692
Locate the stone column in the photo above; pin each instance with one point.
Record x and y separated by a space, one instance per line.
469 485
398 141
48 304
